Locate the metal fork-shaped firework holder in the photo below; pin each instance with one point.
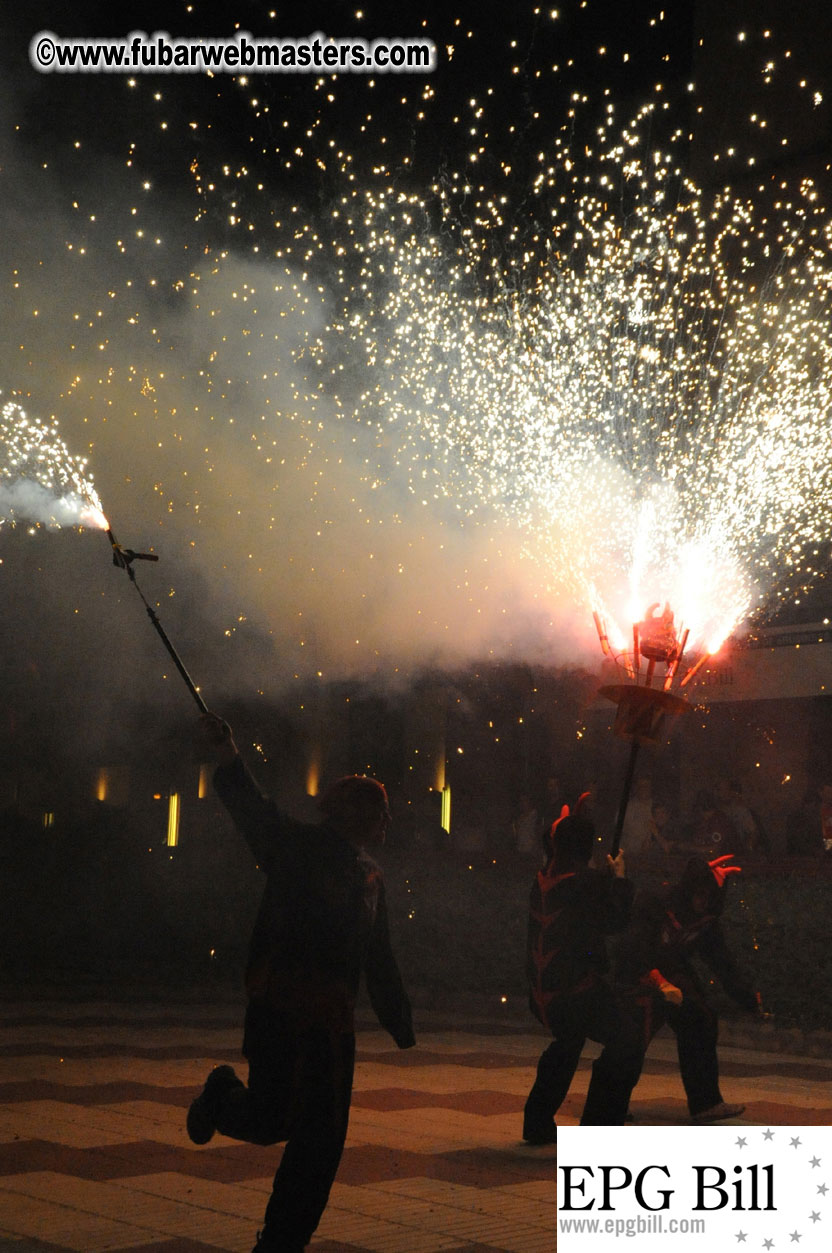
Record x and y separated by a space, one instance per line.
643 709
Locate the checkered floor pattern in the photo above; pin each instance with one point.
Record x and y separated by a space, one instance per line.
94 1155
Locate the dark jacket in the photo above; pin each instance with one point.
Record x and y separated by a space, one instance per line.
322 919
666 934
569 916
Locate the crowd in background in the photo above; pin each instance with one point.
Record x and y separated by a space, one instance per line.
719 819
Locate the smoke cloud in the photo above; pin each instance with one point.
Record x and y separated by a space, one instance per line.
177 367
33 502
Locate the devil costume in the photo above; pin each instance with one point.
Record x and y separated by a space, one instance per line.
666 933
569 916
322 921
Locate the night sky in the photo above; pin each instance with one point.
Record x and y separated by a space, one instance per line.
280 555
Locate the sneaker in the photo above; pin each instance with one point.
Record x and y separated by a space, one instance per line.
201 1119
540 1135
718 1112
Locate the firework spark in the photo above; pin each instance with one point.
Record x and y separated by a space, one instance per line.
41 481
649 412
371 397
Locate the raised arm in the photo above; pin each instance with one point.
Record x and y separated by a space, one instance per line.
257 818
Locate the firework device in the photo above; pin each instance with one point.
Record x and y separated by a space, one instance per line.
643 708
123 558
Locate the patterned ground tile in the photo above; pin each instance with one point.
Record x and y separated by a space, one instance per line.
94 1156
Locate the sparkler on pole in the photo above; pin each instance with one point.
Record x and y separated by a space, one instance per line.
124 558
43 482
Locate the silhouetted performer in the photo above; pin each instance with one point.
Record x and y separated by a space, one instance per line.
666 933
322 921
572 909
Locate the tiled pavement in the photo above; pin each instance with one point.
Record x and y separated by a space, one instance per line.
94 1156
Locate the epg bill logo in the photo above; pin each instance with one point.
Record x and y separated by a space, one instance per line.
701 1187
767 1188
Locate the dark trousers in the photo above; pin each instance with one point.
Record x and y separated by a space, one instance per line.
596 1014
299 1090
695 1026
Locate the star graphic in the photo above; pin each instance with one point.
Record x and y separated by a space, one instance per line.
815 1161
794 1236
823 1189
815 1216
740 1142
768 1135
741 1235
768 1244
795 1142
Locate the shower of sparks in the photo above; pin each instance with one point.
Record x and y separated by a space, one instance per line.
318 345
41 482
648 402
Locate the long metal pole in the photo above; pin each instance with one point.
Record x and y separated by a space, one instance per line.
177 660
615 847
124 558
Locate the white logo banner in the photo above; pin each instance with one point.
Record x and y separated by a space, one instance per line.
678 1189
